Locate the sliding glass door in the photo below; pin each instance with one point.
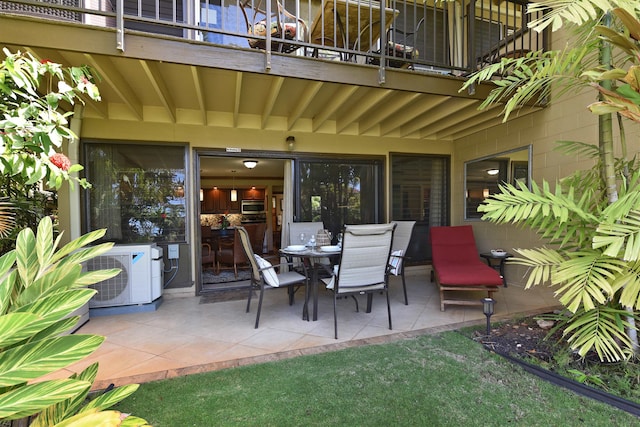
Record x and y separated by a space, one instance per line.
339 192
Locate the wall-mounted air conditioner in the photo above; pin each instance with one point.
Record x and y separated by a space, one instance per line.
139 282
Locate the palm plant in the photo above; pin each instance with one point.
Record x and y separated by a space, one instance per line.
590 219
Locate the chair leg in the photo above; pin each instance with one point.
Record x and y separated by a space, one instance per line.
356 301
335 316
369 302
259 305
291 292
388 309
249 299
404 288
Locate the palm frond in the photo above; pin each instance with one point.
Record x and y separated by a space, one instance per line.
577 12
7 218
629 283
577 148
601 330
553 214
584 279
541 263
620 236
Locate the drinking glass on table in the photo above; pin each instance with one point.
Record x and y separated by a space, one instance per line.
302 238
340 239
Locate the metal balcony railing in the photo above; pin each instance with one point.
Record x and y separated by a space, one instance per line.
446 37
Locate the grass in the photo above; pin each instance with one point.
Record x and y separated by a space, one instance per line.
434 380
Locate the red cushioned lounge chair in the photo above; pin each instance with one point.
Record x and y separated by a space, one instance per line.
458 267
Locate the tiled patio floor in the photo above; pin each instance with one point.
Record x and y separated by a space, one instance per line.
184 336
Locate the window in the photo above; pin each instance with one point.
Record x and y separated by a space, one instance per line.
339 192
138 191
420 192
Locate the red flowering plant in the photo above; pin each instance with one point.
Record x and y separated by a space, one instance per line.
33 127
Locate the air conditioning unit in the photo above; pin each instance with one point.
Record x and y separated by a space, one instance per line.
139 281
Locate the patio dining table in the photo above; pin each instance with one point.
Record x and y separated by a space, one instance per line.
312 256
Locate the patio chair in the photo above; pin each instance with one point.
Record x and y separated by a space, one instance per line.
400 48
457 266
264 276
208 257
282 25
230 253
401 238
363 268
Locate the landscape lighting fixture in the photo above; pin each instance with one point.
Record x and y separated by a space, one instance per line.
487 309
250 164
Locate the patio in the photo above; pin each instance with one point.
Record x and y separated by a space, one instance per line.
184 336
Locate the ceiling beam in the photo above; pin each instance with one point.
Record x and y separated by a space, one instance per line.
399 101
369 101
157 82
236 101
303 102
270 101
199 89
337 100
465 117
420 108
452 110
116 81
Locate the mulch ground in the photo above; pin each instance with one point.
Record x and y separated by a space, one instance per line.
522 338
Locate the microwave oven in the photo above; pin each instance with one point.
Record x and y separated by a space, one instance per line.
249 207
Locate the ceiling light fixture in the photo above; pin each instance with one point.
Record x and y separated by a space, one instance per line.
493 172
250 164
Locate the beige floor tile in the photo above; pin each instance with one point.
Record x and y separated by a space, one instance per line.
184 336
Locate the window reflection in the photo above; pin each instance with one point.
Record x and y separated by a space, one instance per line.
483 176
138 192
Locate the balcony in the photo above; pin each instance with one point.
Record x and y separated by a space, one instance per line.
320 68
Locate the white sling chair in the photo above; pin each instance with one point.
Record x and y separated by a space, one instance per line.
363 268
401 238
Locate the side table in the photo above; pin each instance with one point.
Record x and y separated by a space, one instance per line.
497 263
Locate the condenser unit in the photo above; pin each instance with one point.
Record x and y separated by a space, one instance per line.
139 281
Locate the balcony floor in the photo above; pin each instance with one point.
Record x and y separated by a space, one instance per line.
184 336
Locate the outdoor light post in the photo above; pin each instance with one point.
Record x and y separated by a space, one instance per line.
487 309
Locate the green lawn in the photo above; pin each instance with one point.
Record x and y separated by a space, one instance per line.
434 380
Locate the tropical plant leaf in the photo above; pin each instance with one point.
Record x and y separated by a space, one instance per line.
541 262
16 327
30 361
67 408
32 398
585 279
79 243
110 398
621 238
26 256
93 277
92 419
600 330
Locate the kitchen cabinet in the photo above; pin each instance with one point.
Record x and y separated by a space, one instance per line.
216 200
253 194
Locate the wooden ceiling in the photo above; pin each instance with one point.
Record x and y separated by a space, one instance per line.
186 82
